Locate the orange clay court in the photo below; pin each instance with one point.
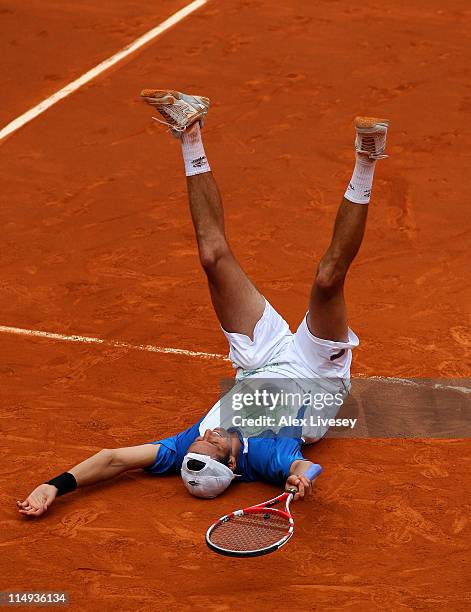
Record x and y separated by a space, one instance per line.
97 242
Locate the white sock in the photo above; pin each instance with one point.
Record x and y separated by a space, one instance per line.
193 151
359 188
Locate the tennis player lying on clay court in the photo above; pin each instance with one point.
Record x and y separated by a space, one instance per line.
261 344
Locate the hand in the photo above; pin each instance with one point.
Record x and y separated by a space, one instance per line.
301 483
38 501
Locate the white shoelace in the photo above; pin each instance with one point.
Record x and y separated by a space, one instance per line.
371 144
176 114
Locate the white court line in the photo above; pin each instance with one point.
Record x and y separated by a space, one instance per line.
415 382
19 331
20 121
150 348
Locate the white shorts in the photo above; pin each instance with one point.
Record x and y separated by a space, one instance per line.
276 349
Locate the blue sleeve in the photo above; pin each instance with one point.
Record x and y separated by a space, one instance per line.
172 450
270 459
287 450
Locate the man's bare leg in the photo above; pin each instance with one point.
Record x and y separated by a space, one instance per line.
236 301
327 316
238 304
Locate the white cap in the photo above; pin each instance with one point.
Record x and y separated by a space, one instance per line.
213 478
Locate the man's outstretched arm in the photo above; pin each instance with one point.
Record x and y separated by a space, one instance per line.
104 465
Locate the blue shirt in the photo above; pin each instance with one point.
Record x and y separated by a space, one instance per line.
266 458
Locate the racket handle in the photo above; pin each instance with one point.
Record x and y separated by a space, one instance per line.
313 471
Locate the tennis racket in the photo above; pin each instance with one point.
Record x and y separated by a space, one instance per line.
256 530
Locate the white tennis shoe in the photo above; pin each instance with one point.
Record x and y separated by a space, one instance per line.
371 136
179 110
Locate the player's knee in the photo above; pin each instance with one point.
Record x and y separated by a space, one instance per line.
211 254
331 274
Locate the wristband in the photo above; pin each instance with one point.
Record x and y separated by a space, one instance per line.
64 483
313 471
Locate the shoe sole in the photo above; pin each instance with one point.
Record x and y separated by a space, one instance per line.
370 124
156 94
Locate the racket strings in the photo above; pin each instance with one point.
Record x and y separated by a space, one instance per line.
250 531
